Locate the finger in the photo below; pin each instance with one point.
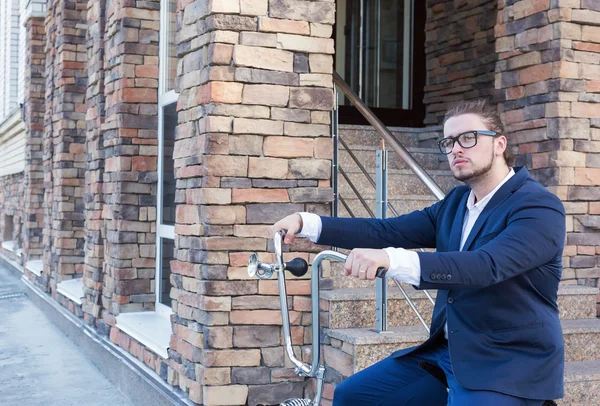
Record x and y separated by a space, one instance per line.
289 238
356 267
348 265
362 274
277 227
293 226
287 228
371 271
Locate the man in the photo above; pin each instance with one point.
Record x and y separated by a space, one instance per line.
496 337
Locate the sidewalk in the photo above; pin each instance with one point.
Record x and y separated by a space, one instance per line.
39 365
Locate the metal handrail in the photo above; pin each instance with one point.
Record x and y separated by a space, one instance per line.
356 192
403 153
343 201
388 137
364 171
357 161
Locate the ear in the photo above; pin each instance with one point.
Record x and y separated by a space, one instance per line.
501 144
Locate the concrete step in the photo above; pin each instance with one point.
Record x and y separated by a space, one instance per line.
335 271
403 205
409 137
429 159
582 339
355 308
582 384
401 182
354 349
582 378
405 191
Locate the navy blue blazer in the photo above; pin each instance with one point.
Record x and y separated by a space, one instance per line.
499 295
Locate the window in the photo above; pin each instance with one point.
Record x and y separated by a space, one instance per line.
9 57
8 228
167 124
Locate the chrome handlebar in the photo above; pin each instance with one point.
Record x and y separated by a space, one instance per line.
299 267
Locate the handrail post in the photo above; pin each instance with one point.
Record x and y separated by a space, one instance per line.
336 156
381 212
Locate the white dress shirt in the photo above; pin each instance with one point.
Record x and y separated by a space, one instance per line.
404 264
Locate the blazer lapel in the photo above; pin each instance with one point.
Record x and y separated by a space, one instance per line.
457 225
501 195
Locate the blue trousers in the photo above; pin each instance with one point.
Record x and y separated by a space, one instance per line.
402 382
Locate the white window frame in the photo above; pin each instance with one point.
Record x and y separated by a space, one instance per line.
165 98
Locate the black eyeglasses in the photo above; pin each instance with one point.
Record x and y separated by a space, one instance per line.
467 139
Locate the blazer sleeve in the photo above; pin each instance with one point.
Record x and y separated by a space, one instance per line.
413 230
534 235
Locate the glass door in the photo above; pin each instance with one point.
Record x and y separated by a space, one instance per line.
377 56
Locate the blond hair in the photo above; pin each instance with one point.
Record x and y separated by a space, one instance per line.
488 113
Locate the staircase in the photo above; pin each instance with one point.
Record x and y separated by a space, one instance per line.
348 310
405 191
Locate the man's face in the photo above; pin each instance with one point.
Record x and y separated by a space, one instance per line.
469 163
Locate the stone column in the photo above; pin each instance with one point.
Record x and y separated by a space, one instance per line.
33 113
94 199
459 53
549 83
253 145
130 156
66 80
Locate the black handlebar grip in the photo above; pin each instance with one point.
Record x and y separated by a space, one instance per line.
380 273
297 267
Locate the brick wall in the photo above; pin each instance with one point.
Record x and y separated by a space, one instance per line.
64 140
252 145
549 83
460 56
33 114
93 275
257 149
11 198
130 150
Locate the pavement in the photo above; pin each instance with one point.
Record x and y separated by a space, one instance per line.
39 364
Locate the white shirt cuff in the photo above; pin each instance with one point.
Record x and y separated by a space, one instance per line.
405 265
311 226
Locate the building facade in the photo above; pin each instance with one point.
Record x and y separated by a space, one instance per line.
146 147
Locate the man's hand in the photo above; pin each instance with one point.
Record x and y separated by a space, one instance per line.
292 225
363 263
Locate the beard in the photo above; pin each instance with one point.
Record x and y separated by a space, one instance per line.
474 173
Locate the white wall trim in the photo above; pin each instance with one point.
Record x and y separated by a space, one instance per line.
8 245
152 329
12 144
71 289
32 14
12 120
36 267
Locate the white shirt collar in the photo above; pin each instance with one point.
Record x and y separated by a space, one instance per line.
480 205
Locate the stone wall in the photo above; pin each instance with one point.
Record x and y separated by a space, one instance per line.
94 225
33 114
549 83
64 140
252 146
130 152
11 198
459 53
